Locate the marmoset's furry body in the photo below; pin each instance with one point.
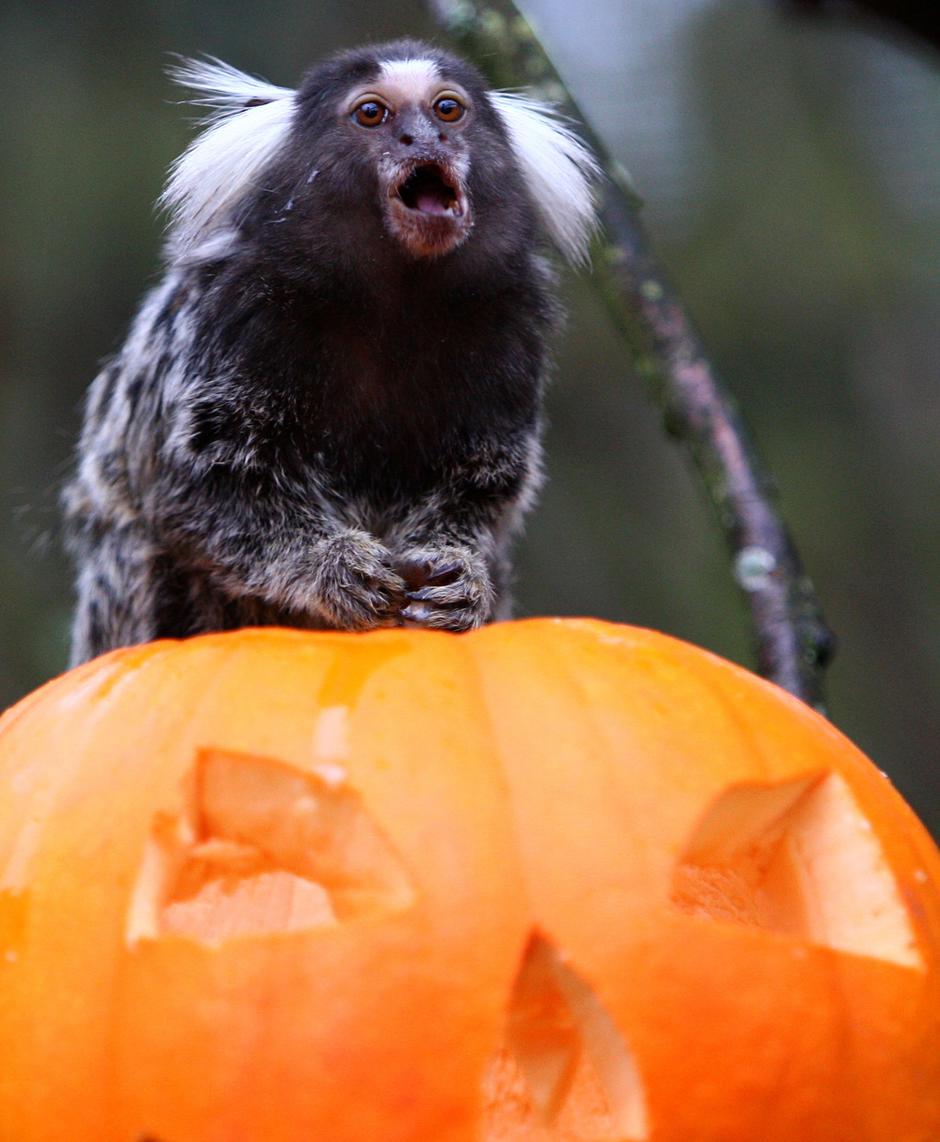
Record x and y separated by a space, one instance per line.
328 413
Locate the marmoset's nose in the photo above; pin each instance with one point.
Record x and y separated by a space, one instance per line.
417 132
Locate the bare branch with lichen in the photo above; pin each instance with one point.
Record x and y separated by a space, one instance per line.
793 641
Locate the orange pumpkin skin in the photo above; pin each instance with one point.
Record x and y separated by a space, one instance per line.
552 881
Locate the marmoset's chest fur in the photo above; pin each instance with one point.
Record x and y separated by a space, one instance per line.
383 398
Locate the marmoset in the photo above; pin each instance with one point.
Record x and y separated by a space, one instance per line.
328 414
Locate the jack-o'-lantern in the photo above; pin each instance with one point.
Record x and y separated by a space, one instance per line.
553 881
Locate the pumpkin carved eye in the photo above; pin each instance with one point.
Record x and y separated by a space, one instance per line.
262 847
776 856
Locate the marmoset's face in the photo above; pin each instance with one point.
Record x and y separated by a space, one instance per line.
416 125
384 156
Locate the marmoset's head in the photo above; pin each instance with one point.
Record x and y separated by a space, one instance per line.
400 141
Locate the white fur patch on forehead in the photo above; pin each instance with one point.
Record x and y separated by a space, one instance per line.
248 123
559 170
409 78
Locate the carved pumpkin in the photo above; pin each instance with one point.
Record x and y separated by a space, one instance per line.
554 880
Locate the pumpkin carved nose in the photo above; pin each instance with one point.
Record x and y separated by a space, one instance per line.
563 1058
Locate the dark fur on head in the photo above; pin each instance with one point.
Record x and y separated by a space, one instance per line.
328 413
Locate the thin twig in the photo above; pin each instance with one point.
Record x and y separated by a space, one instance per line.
793 642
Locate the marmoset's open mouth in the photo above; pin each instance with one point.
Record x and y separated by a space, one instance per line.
429 191
427 209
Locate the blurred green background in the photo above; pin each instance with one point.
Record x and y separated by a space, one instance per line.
791 170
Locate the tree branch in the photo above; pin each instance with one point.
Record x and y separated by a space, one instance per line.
793 642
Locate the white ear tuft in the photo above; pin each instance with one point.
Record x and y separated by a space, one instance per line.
559 170
248 122
223 87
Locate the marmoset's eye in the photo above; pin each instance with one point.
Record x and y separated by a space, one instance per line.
449 108
370 113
